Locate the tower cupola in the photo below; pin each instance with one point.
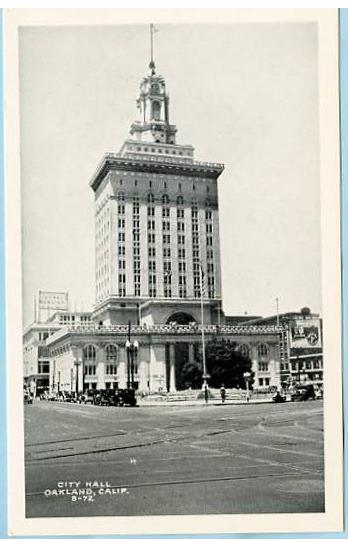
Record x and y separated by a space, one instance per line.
153 123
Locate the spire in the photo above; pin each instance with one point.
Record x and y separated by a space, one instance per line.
153 104
152 66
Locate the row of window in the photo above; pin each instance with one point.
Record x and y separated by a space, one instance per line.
195 252
304 365
136 246
121 253
165 198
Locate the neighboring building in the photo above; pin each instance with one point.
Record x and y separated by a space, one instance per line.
236 320
156 235
301 350
35 352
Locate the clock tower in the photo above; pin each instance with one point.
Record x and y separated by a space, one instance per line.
157 223
153 104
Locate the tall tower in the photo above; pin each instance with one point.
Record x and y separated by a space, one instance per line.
156 222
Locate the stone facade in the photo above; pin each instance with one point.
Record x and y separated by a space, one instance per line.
161 352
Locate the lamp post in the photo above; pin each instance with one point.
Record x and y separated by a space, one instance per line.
247 376
205 374
77 363
132 352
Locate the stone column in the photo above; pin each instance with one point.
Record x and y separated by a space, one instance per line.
191 352
142 368
78 367
172 384
121 367
254 363
100 370
157 367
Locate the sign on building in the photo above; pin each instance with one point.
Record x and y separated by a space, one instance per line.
305 334
53 301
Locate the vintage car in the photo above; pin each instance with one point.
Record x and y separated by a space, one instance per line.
127 397
279 397
101 398
303 392
115 397
88 396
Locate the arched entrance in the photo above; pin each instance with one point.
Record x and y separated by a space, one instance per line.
181 318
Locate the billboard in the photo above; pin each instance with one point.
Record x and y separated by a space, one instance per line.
305 334
53 301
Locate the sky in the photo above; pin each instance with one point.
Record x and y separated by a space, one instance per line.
245 95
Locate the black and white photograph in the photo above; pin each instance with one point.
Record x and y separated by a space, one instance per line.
179 270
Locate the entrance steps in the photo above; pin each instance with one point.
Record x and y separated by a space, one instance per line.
197 394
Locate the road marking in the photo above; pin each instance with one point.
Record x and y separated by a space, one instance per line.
258 446
264 429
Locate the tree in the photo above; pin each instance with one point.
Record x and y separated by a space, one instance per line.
225 365
191 375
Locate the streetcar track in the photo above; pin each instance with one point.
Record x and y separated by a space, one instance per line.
101 450
55 449
77 439
166 439
132 446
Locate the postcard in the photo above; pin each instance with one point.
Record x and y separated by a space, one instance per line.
173 271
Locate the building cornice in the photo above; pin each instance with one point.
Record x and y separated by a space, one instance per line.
154 164
163 329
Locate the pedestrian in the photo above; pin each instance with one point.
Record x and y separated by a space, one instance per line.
206 394
223 393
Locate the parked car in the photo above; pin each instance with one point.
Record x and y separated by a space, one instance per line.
278 397
319 393
303 393
127 397
27 397
88 396
70 396
102 398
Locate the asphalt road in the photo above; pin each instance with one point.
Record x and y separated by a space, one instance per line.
264 458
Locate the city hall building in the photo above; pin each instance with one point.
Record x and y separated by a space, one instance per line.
157 260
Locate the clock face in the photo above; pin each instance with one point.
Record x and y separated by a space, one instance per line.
155 88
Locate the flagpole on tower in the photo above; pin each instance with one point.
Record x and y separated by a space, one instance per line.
151 42
153 30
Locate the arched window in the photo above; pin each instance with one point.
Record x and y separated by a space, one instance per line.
180 200
156 110
244 350
89 353
111 353
150 198
262 351
165 199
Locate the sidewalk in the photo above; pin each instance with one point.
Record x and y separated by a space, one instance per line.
201 402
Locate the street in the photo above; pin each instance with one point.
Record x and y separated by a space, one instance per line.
263 458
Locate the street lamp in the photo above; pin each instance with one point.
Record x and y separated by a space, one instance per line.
77 363
205 374
247 376
132 352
